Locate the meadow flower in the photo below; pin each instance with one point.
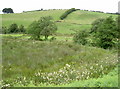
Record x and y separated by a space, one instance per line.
67 65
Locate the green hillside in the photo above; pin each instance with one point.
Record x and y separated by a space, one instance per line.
85 17
78 20
28 17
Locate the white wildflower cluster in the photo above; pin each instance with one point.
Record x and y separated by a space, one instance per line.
64 75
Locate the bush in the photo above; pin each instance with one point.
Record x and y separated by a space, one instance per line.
21 29
80 37
13 28
64 15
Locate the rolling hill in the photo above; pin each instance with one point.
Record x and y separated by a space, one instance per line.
78 20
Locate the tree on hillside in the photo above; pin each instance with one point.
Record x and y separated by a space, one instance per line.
43 27
106 33
7 10
48 26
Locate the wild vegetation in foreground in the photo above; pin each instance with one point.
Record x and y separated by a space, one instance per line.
26 61
109 80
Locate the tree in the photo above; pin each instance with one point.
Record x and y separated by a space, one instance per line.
80 37
34 30
43 27
48 26
106 33
7 10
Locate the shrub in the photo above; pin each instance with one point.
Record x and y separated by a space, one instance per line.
95 24
64 15
13 28
80 37
21 29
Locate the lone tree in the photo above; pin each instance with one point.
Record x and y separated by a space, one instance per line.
7 10
43 27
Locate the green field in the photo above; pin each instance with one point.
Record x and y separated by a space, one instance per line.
78 20
60 62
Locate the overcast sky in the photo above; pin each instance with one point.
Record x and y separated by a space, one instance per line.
27 5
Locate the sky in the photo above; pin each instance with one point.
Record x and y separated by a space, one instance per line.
19 6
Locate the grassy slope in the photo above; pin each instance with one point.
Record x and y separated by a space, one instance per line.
78 20
86 17
28 17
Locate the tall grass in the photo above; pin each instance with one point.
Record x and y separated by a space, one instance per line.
28 60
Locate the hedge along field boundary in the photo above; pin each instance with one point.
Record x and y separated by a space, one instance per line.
64 15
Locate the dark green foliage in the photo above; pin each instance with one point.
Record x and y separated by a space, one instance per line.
34 30
64 15
95 25
13 28
43 27
80 37
48 27
105 32
21 29
7 10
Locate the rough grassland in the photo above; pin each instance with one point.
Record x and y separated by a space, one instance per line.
27 60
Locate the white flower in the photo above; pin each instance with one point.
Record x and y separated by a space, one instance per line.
67 65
